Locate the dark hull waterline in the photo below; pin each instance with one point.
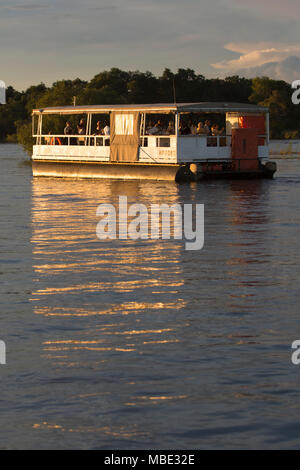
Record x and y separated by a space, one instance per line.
129 171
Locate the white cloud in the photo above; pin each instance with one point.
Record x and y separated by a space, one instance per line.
277 60
288 70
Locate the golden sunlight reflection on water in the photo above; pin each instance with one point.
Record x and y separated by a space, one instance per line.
78 276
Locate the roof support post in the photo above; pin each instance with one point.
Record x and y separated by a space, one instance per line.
89 128
177 123
39 130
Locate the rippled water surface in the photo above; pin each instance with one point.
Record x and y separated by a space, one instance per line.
141 344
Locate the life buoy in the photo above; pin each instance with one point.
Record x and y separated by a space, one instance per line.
55 141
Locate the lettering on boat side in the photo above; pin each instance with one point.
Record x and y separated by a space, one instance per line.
296 94
2 92
159 221
296 354
167 153
2 353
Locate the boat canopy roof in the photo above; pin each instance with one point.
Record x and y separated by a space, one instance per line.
204 107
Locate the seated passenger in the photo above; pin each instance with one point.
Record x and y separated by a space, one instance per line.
150 125
159 127
106 130
51 140
193 128
207 127
154 130
184 129
48 139
213 142
200 129
215 129
171 129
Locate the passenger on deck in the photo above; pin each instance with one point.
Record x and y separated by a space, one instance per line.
200 129
184 129
68 130
193 128
207 127
81 129
106 130
212 142
154 130
171 129
99 130
48 139
149 127
159 127
215 129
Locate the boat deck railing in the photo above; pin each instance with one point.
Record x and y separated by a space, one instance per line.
61 139
157 140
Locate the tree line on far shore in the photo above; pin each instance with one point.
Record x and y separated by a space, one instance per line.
120 87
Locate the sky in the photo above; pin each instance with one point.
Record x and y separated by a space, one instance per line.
49 40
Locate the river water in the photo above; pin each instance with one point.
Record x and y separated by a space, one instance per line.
142 344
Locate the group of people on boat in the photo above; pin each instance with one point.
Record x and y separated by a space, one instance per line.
154 128
190 128
159 129
101 129
202 128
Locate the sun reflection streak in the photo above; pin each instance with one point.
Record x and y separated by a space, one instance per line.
78 278
117 432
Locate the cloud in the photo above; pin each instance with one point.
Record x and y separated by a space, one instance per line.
25 7
289 9
287 70
103 8
277 60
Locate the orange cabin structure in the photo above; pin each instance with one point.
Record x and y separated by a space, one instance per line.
245 149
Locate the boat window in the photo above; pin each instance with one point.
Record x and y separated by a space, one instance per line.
212 142
163 142
144 142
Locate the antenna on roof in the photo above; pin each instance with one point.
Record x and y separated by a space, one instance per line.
174 90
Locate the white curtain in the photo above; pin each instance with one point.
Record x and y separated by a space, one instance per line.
124 124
